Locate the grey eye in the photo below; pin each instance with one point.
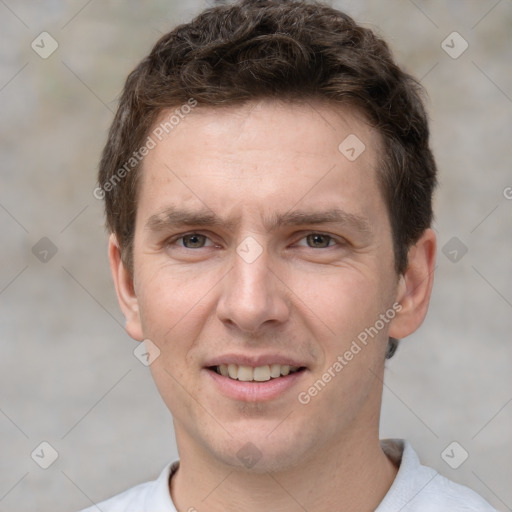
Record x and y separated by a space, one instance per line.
194 241
318 241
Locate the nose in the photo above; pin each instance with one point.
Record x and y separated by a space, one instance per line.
253 297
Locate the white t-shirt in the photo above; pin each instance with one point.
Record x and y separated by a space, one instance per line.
416 488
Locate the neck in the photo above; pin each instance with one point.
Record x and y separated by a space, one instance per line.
355 473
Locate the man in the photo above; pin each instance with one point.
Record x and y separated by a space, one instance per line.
268 185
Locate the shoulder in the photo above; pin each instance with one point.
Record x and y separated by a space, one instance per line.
418 488
152 495
132 499
447 494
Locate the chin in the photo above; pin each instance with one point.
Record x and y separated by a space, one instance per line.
255 451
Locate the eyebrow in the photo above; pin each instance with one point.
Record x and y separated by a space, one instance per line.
172 217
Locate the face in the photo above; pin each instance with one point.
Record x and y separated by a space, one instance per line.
262 257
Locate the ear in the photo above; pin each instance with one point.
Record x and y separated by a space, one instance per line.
415 286
125 290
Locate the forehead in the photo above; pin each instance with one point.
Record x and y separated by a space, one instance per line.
262 155
318 126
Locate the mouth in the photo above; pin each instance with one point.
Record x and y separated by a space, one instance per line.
262 373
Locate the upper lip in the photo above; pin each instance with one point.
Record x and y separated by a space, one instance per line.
254 361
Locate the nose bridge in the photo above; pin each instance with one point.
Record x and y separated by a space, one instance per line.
251 296
251 277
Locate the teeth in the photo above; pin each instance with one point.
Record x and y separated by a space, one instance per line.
245 373
261 373
258 374
233 371
275 371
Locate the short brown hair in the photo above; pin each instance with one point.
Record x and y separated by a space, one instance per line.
288 50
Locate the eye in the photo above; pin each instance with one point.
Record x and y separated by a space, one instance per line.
193 241
318 241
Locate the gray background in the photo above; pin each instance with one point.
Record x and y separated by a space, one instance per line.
68 374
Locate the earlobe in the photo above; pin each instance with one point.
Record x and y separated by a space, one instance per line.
125 290
415 286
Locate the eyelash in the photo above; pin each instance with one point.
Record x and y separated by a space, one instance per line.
333 239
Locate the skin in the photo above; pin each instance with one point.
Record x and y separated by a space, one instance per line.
305 297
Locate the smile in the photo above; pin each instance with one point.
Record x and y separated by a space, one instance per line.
254 374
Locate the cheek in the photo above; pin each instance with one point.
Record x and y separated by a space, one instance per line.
174 307
172 302
342 307
340 302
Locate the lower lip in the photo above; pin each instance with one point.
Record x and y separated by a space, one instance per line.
254 391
